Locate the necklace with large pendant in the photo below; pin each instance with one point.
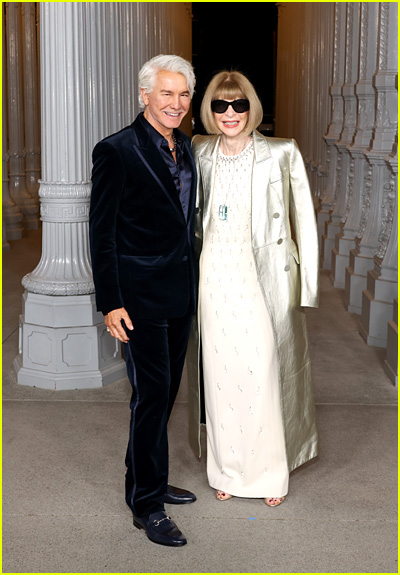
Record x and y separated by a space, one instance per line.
223 212
223 208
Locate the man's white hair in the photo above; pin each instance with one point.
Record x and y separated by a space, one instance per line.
169 62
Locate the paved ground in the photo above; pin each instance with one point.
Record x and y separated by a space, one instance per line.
63 470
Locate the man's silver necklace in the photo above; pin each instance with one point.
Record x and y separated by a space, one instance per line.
172 150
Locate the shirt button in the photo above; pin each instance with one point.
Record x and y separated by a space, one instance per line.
280 241
185 259
287 268
276 215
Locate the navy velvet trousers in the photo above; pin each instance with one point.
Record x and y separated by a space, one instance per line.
155 356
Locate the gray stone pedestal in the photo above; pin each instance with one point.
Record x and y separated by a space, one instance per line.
63 344
356 280
340 260
323 216
328 243
377 309
390 364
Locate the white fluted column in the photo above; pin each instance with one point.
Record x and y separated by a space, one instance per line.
31 98
179 39
304 68
355 274
63 338
282 108
380 235
28 205
310 78
382 280
356 167
108 26
314 69
317 70
324 25
90 57
386 257
131 69
332 136
12 216
345 167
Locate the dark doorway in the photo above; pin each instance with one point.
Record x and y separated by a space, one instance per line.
240 36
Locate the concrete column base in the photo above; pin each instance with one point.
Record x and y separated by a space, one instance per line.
339 263
353 289
328 243
64 344
32 223
390 364
356 280
13 222
377 309
14 233
6 245
340 260
322 218
28 207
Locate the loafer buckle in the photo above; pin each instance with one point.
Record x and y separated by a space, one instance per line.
157 522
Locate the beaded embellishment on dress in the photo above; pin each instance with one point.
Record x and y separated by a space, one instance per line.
231 166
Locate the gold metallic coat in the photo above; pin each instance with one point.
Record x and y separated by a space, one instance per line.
285 248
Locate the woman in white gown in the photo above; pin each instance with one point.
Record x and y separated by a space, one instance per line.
247 454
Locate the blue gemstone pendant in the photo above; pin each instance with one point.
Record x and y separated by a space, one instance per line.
223 212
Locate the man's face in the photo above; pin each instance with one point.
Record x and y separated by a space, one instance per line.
168 102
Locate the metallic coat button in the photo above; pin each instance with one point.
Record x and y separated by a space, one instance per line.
280 241
276 215
287 268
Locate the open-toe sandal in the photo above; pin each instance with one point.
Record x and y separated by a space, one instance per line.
222 496
274 501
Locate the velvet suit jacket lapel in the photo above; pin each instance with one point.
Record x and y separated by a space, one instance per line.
193 187
152 159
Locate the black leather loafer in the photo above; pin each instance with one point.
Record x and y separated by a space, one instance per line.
178 496
160 529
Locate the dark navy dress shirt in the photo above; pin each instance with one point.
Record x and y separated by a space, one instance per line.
180 171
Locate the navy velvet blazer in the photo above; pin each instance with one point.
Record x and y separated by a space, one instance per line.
141 245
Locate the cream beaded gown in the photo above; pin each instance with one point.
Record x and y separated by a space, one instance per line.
245 439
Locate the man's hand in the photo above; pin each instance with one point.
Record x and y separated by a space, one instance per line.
114 326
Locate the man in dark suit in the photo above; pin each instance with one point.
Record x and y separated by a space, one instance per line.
144 270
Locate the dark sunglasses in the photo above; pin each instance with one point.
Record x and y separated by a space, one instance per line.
221 106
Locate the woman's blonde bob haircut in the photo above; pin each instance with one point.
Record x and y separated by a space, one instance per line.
230 85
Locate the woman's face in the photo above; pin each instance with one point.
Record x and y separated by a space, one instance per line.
231 123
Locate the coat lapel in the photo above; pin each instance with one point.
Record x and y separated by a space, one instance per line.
260 181
189 158
259 189
152 159
207 165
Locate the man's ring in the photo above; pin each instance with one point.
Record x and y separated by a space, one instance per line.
108 329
